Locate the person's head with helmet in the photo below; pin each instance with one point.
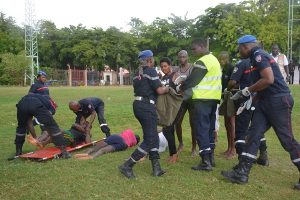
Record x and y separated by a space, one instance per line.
146 58
41 76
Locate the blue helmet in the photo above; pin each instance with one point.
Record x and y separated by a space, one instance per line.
246 39
145 54
41 73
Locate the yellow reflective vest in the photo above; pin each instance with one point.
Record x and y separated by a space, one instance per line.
210 87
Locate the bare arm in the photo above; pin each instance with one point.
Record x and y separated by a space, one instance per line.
78 127
92 118
286 69
267 78
31 128
88 137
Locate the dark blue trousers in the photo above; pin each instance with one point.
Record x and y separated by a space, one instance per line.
204 119
242 122
145 112
273 112
29 107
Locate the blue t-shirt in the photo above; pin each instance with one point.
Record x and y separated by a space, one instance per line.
261 60
242 73
145 84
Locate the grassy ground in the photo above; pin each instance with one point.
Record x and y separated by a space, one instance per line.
100 179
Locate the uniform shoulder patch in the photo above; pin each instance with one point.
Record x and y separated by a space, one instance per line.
90 106
258 58
235 70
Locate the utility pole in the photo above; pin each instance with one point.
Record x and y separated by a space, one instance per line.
293 4
31 44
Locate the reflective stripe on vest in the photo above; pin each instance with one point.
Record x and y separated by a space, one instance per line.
210 87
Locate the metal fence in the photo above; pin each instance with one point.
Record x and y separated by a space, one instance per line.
77 77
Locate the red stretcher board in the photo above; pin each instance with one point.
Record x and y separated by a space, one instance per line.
52 152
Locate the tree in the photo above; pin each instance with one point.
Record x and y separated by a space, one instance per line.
12 68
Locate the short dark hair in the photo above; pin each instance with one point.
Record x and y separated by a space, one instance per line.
165 59
200 42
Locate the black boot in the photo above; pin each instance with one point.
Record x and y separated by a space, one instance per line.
126 168
239 159
18 149
64 153
212 159
240 173
263 159
205 163
156 169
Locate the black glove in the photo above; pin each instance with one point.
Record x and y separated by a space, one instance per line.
105 129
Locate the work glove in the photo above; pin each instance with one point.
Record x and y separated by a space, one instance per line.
105 129
246 105
241 93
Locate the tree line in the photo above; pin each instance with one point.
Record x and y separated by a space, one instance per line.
95 47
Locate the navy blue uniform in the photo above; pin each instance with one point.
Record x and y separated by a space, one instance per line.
39 88
242 75
88 106
273 109
145 84
38 106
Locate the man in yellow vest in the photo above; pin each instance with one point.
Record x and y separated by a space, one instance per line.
203 88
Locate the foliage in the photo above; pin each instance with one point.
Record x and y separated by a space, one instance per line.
12 68
223 24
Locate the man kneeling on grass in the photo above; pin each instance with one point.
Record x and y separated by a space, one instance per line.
117 142
77 134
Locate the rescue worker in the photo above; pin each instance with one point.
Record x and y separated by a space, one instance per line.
90 107
40 87
185 69
229 121
204 87
281 61
35 105
273 109
146 86
241 78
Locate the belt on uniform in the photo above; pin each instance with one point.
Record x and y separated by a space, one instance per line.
138 98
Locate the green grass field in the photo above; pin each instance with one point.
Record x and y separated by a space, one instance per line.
100 178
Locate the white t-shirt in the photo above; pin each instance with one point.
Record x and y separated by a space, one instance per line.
285 61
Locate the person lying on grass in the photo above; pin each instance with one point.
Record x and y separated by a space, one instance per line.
77 134
116 142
